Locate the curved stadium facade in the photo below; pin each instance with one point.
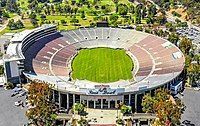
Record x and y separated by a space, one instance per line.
45 54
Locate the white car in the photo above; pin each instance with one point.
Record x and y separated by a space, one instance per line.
18 103
197 88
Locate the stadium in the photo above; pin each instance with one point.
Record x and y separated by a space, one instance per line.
99 66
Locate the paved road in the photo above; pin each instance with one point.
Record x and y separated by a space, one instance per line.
191 99
10 115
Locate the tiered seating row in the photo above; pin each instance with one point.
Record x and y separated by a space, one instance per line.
124 37
164 61
59 61
153 58
39 54
144 59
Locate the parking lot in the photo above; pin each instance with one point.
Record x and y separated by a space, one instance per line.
191 99
11 115
192 34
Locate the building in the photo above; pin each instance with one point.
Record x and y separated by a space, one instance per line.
45 54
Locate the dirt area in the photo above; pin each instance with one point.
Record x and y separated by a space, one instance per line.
180 11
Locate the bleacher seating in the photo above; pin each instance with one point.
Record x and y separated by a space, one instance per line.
50 55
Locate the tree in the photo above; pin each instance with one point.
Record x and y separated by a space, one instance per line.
147 30
116 1
161 19
11 24
196 58
138 19
5 14
174 38
185 45
139 28
1 69
33 4
43 17
193 72
83 122
34 23
9 85
11 5
168 25
107 9
150 20
172 3
113 18
75 10
123 9
78 107
125 109
144 12
82 14
152 11
166 110
138 14
15 25
132 9
176 14
32 15
43 111
188 61
63 22
74 20
160 32
186 3
19 24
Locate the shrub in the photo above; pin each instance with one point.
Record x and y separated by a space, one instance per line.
1 69
125 109
9 85
120 121
176 14
63 22
83 122
139 28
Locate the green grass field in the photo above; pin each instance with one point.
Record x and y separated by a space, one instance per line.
102 65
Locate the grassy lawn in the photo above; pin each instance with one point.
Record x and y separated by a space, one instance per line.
102 65
90 18
12 15
68 26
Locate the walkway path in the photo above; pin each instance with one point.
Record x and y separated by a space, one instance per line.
98 116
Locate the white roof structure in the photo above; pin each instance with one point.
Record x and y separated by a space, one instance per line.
18 37
13 52
177 55
167 44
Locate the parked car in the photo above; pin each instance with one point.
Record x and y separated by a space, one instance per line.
16 89
18 103
14 94
197 88
22 94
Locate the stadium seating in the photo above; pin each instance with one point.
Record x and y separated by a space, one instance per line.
50 55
